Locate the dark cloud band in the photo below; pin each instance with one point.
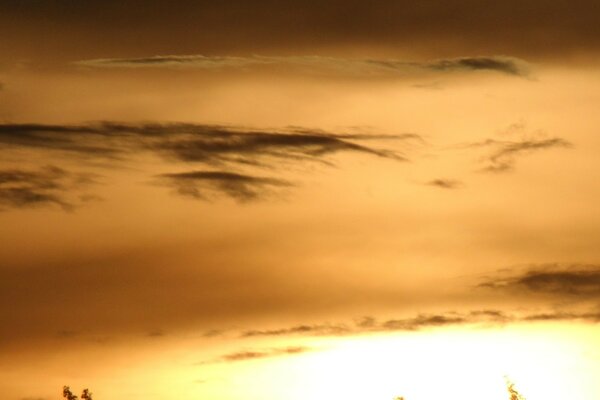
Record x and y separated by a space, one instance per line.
340 66
224 149
579 280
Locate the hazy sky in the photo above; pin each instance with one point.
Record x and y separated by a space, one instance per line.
299 200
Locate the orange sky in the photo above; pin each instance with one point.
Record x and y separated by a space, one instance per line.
299 200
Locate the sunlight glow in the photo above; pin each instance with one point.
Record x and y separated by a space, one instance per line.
465 365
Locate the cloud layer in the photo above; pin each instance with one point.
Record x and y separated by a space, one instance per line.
319 64
578 280
225 150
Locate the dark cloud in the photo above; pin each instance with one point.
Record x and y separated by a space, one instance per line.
510 66
199 184
445 183
255 354
553 279
325 329
92 140
424 321
592 317
505 153
210 145
218 145
46 186
338 66
427 321
370 324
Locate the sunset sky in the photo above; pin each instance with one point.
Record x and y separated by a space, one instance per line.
300 200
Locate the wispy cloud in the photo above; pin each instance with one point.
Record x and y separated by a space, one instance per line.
209 144
348 67
49 185
201 184
445 183
504 154
479 317
319 329
371 324
247 355
592 317
227 149
579 280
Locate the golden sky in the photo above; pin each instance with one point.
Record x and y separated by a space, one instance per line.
282 200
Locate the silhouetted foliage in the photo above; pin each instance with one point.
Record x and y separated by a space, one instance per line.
67 394
513 393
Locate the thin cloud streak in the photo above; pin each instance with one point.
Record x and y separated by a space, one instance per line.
247 355
370 324
200 184
504 155
575 280
445 183
425 321
340 66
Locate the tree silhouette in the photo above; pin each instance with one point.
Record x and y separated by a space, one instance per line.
67 394
513 393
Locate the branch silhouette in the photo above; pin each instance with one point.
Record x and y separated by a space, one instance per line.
68 394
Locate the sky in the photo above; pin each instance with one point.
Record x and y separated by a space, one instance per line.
299 200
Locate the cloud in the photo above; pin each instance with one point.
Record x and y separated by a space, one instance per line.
227 148
49 185
592 317
445 183
371 324
424 321
507 65
218 145
325 329
243 188
257 354
209 144
575 280
339 66
505 153
481 317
